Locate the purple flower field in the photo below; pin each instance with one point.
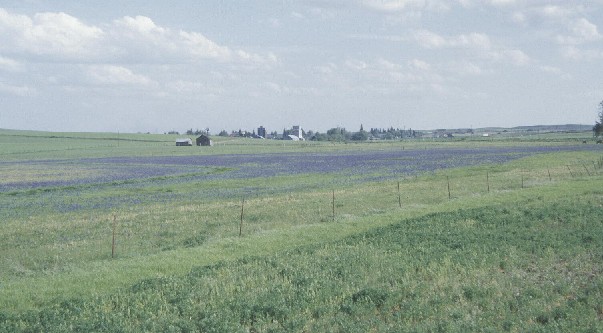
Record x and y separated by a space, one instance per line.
363 164
106 183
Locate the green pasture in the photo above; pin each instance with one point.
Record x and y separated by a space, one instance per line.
32 145
512 247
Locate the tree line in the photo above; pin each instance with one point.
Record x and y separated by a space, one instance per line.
336 134
340 134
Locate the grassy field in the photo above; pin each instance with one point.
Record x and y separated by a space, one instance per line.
512 246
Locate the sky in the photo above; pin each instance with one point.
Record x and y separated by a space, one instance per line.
157 66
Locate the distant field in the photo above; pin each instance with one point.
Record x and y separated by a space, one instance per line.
504 234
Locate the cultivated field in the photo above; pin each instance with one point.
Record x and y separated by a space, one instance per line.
128 233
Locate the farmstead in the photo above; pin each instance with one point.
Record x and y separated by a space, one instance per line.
184 142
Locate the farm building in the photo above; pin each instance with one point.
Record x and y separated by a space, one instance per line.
203 140
184 142
291 138
261 132
298 132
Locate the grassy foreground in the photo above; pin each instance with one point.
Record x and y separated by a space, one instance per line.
495 268
520 251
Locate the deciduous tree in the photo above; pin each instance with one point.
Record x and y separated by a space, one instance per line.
598 128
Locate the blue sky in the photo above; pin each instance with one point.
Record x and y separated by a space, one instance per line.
154 66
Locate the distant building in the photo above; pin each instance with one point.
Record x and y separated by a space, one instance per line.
204 140
184 142
443 134
262 131
291 137
298 132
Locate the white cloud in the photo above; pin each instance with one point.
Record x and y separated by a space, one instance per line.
117 75
431 40
420 65
141 37
496 3
322 13
550 69
401 5
276 88
547 16
297 15
519 17
473 42
555 12
389 38
466 68
385 77
60 32
393 5
478 40
514 56
576 54
142 25
503 2
22 91
11 65
54 34
564 24
356 64
327 69
551 13
582 31
201 46
586 30
387 65
128 39
555 71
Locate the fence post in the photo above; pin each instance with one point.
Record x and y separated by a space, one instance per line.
448 181
488 181
333 205
241 224
113 238
399 199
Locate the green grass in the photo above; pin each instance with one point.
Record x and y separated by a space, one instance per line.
494 268
496 256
